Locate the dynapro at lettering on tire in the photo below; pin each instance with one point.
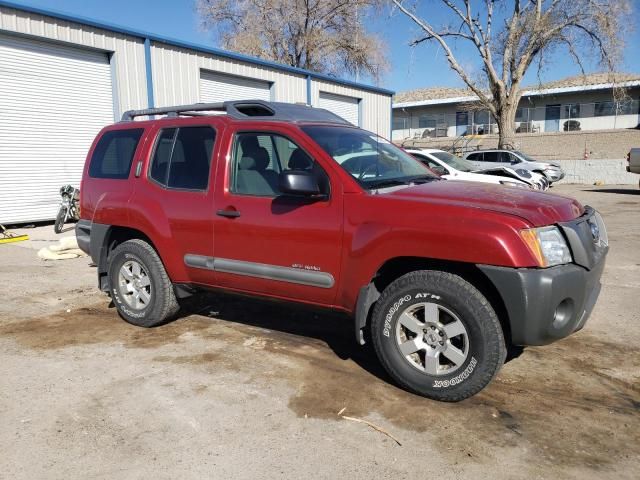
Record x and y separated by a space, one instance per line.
296 204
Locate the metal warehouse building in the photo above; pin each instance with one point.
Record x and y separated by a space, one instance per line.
63 78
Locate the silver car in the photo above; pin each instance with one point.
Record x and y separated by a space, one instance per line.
514 159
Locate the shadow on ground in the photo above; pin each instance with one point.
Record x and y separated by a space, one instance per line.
619 191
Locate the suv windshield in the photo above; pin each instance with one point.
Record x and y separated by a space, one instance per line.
373 161
453 161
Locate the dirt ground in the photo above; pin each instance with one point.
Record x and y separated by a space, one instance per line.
240 388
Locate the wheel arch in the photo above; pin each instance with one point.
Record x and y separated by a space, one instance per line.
396 267
111 237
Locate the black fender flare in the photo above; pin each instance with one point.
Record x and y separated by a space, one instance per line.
367 296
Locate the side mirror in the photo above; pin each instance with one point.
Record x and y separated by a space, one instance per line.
439 170
300 183
515 160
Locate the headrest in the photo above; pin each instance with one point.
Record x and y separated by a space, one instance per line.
299 160
261 157
247 163
249 144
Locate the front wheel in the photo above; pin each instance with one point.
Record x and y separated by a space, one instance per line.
60 219
437 335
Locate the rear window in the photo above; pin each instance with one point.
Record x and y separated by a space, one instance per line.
113 154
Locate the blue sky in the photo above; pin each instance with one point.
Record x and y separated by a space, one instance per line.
422 66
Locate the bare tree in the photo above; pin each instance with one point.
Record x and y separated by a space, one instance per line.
509 36
326 36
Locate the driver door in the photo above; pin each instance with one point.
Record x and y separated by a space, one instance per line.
269 243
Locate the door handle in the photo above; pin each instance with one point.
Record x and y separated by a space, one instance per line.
228 213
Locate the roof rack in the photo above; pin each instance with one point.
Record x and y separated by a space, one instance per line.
245 110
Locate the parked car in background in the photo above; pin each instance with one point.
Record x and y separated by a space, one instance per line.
633 159
493 158
451 167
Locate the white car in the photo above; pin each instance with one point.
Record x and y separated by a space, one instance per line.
454 168
514 159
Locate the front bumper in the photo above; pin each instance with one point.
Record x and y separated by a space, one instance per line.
545 305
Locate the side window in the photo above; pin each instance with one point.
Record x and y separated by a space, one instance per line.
505 157
259 158
182 157
474 157
490 157
162 156
113 154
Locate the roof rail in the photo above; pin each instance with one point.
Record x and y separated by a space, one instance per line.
245 110
172 111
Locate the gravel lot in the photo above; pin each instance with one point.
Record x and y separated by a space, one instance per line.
241 388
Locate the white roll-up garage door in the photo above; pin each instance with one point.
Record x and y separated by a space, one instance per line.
220 87
54 99
345 107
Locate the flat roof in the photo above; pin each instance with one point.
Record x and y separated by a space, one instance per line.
525 93
192 46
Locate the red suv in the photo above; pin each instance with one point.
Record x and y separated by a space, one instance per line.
293 203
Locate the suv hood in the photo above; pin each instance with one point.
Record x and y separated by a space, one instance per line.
538 209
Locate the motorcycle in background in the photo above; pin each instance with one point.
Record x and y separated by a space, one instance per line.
69 207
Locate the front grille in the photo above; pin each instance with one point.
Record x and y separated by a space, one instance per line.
587 238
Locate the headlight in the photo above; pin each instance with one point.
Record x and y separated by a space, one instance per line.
513 184
547 245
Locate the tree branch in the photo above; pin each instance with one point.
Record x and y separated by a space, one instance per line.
453 62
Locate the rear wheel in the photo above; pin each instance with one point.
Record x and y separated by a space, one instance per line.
437 335
140 286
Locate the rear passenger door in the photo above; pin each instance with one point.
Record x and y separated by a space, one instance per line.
176 200
476 159
490 160
269 243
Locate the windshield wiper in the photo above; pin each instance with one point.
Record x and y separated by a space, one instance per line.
423 179
391 182
388 182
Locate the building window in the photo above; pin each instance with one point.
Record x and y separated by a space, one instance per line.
427 121
519 115
572 110
603 109
629 107
399 123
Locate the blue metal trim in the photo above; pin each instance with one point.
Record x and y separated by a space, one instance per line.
308 89
114 87
191 46
149 73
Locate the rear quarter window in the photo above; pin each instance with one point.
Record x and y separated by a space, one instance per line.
113 154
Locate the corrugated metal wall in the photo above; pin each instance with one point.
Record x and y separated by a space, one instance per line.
128 59
376 108
176 70
176 74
